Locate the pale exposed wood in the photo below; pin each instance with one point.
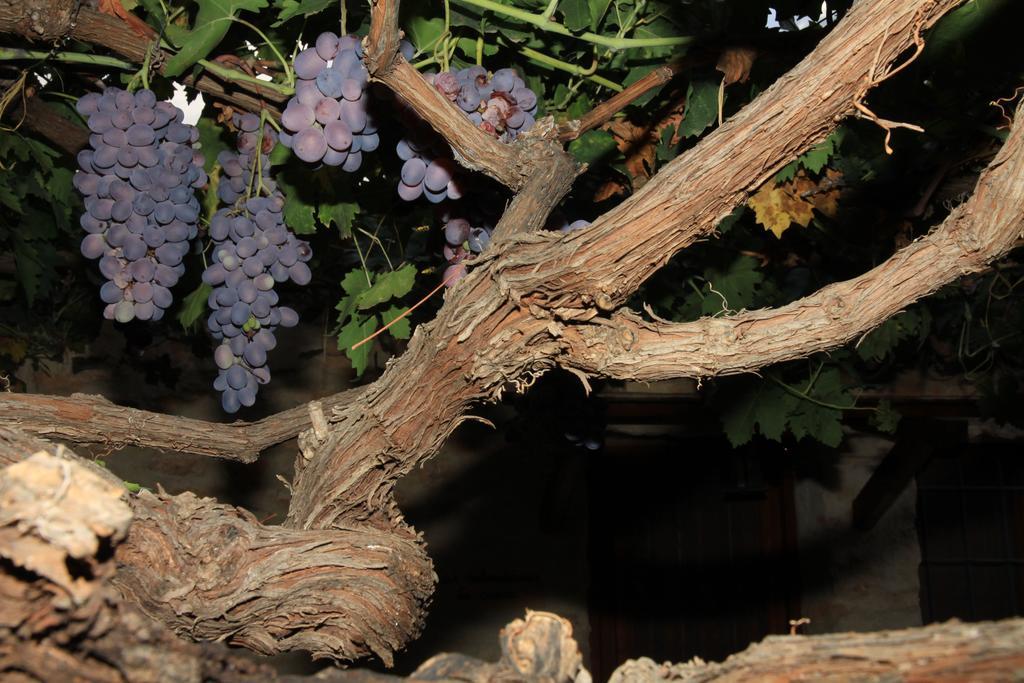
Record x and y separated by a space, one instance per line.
987 651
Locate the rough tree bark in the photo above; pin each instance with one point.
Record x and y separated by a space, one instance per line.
533 302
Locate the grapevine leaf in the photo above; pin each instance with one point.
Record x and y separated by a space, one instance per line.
213 20
294 8
30 268
734 288
776 208
388 286
61 191
357 329
423 33
341 214
701 108
819 423
597 11
885 418
354 283
576 14
194 305
815 417
298 214
592 146
9 199
761 405
884 339
211 142
400 329
727 223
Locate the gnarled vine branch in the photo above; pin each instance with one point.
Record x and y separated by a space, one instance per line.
976 233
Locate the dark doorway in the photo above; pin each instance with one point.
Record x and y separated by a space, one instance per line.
693 549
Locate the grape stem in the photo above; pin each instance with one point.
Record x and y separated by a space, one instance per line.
15 54
574 69
546 24
435 290
235 75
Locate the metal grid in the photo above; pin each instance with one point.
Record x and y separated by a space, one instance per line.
970 523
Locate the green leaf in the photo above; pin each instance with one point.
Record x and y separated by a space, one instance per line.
358 329
884 418
304 8
298 215
727 223
756 404
815 158
30 267
592 146
734 288
576 14
388 286
211 142
423 33
341 214
883 340
9 199
597 12
194 305
213 20
819 423
354 283
701 108
401 329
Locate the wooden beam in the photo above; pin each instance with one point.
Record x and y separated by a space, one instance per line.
916 440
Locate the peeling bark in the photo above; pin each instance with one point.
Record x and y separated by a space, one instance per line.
977 232
987 651
83 418
604 264
213 572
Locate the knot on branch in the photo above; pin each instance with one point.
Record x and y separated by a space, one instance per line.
44 19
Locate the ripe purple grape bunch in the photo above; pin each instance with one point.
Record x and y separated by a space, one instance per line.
252 251
500 105
463 241
330 119
138 180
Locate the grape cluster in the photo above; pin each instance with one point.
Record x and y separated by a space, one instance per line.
559 222
330 119
500 105
138 180
463 241
253 249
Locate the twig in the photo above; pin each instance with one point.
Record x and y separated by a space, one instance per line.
607 109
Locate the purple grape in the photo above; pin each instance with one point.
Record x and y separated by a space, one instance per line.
309 145
308 64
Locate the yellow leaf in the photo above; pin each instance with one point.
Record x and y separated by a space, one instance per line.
776 208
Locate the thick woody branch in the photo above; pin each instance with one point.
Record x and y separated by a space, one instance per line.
474 149
976 233
511 165
39 117
212 572
382 40
604 264
986 651
85 419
